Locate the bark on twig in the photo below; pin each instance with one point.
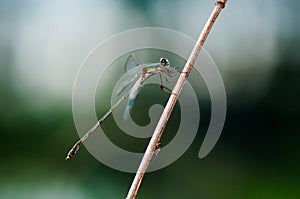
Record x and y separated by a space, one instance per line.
219 5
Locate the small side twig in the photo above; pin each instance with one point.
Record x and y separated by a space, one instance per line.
220 4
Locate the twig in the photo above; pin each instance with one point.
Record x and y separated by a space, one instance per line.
220 4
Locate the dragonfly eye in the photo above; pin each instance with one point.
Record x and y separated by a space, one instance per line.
164 62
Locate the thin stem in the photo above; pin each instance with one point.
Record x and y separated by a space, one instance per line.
220 4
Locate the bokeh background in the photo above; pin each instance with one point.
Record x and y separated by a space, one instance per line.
256 46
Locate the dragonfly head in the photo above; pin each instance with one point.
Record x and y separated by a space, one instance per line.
164 62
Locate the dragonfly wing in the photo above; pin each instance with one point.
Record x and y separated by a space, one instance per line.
125 84
129 106
132 95
131 62
133 68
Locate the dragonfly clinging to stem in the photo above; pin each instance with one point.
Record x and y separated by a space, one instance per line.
135 72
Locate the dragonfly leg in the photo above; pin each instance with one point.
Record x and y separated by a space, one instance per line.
165 77
176 70
163 88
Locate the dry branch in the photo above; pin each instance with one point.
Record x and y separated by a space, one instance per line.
219 5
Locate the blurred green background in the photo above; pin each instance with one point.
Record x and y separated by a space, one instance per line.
256 46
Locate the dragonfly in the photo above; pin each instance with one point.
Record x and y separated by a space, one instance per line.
138 73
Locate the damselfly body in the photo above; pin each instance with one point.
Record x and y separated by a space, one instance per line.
137 73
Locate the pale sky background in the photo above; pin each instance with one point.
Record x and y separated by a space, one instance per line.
43 43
